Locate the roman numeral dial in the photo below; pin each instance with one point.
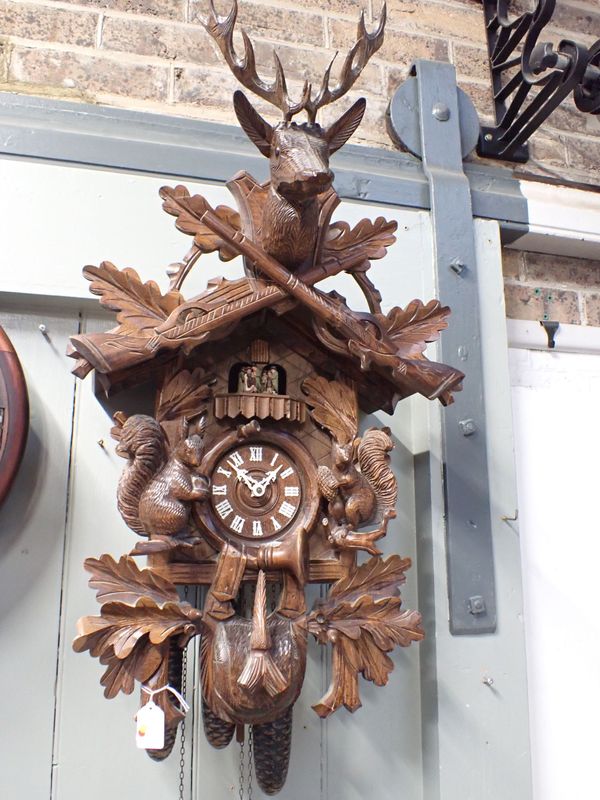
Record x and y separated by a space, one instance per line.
256 491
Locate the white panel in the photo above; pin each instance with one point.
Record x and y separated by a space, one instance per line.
96 750
32 531
85 215
561 220
556 398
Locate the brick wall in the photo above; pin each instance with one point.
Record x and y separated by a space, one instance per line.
154 55
539 287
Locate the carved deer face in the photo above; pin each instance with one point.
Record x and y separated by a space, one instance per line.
299 162
298 154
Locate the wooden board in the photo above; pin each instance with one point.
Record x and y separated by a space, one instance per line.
32 536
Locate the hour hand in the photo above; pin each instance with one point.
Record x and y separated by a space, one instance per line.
242 475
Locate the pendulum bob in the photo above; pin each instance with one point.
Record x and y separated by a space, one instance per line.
253 669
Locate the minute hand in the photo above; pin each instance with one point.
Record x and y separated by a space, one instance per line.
260 486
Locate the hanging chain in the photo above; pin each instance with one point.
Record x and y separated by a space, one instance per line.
242 770
250 759
182 742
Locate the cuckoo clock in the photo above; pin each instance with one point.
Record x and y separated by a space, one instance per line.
252 478
14 414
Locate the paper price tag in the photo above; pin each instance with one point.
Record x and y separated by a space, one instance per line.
150 727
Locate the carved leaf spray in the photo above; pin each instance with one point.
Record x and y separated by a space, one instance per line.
251 471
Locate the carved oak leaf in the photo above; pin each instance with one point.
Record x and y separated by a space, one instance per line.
371 237
363 620
188 209
184 394
121 626
413 327
122 673
362 634
140 306
137 636
333 406
374 576
125 582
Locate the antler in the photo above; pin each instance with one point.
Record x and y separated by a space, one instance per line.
244 69
366 44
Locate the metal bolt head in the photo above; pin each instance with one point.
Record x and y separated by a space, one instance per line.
441 112
458 266
488 137
476 605
467 427
488 681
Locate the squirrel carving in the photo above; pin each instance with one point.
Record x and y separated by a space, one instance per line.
156 488
358 486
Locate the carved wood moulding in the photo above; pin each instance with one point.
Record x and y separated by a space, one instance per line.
252 467
259 406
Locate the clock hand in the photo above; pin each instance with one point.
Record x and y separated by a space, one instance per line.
260 487
272 474
242 475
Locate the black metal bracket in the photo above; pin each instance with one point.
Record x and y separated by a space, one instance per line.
530 79
551 328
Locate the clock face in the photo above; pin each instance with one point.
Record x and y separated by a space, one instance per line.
256 491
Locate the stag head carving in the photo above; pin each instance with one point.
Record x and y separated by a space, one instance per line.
274 486
298 153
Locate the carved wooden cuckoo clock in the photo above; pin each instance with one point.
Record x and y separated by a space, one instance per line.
252 472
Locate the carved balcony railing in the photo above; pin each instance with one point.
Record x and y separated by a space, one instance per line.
531 78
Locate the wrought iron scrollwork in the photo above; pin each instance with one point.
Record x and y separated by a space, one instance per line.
530 78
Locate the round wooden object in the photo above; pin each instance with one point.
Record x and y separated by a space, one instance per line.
14 414
288 503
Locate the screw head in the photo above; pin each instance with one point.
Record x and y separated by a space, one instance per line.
467 427
488 137
457 266
476 605
441 112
